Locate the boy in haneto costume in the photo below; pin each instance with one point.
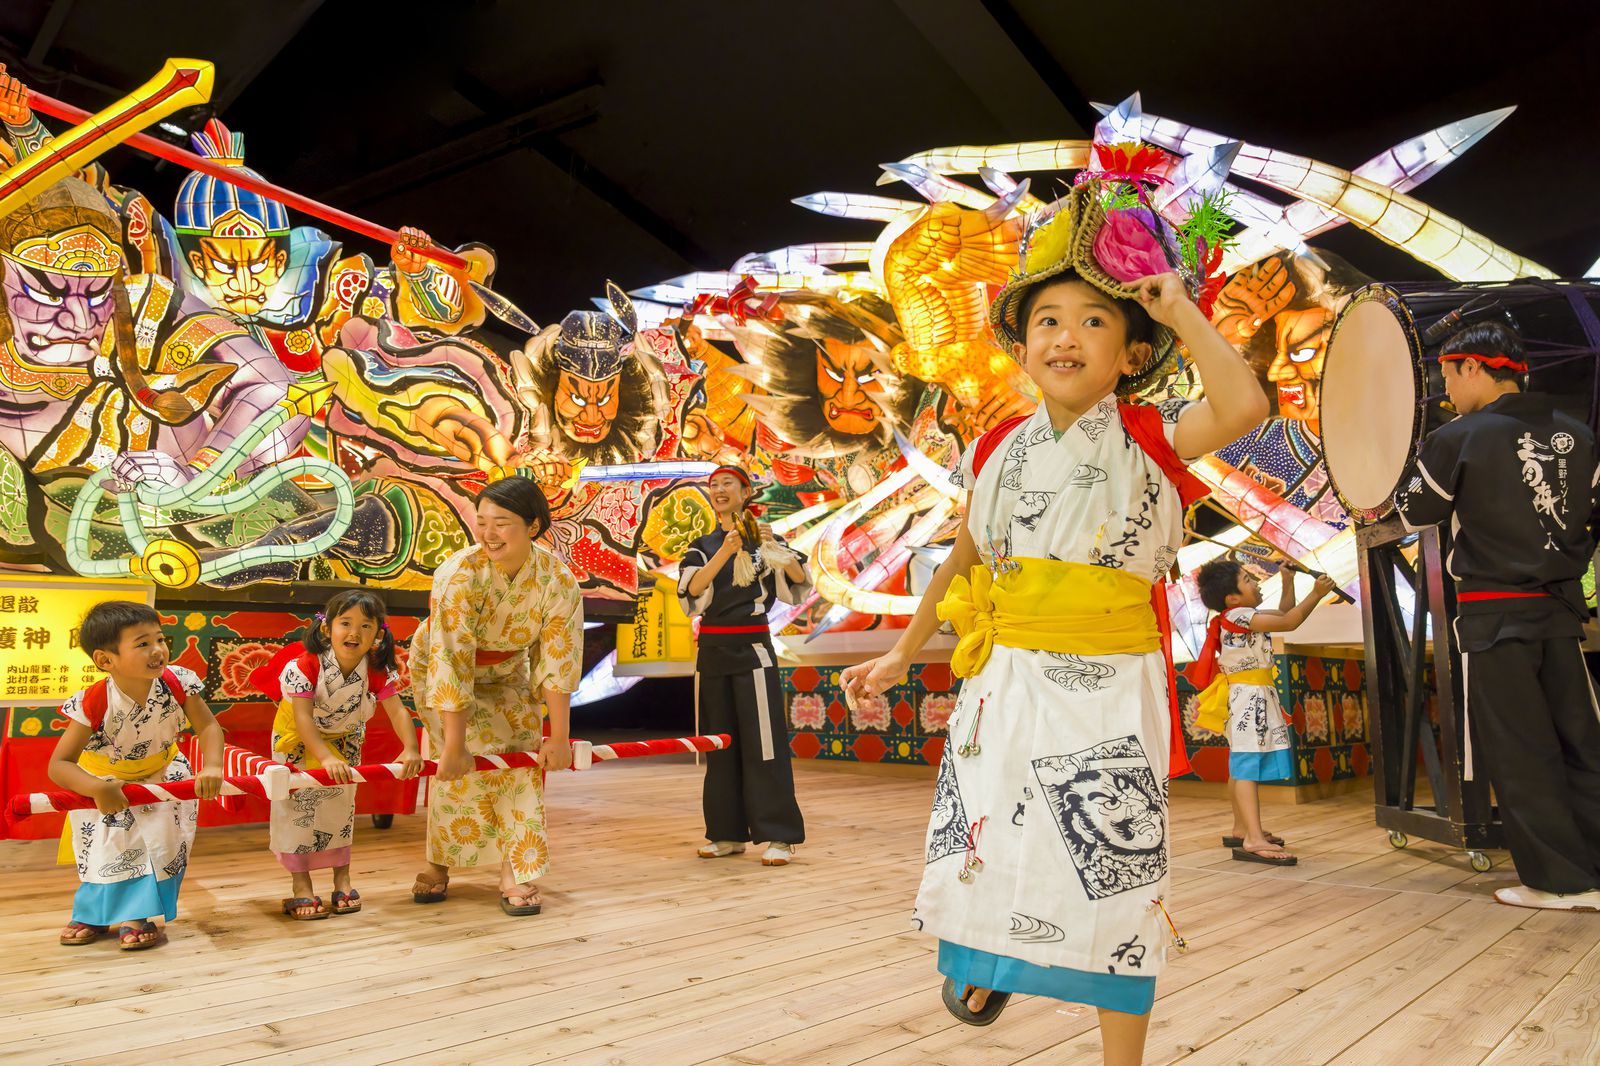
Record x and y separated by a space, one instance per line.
1239 696
1047 854
131 860
1513 479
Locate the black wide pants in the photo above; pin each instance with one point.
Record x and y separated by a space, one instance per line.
1537 732
749 789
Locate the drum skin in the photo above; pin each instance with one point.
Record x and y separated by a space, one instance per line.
1372 393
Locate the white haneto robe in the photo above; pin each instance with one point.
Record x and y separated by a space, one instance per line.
1070 782
314 827
149 841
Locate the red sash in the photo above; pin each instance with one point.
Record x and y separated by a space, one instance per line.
1203 670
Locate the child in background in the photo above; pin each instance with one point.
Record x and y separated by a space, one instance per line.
122 729
1239 694
328 687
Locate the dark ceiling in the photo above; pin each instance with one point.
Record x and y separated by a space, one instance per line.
638 140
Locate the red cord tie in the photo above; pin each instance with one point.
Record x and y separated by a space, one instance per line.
973 864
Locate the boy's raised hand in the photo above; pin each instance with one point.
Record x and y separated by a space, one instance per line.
1163 297
1321 587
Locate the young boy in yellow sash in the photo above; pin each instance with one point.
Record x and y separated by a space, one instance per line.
1047 852
124 728
1239 695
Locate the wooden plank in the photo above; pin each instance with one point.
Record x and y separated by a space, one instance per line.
1564 1028
857 1037
1323 1018
1500 986
1045 1028
648 955
1031 1023
1194 1017
145 1020
541 1022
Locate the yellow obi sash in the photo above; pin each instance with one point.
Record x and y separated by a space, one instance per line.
1211 712
100 765
1049 605
127 769
289 735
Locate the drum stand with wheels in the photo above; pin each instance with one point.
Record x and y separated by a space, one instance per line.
1461 814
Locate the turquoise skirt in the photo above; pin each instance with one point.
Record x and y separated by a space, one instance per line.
126 901
1001 973
1261 765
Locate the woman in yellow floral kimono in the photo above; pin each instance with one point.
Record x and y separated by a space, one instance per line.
502 646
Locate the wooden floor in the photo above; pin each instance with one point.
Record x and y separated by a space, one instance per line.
647 955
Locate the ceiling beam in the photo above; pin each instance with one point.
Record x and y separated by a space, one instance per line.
978 50
55 17
1037 55
553 150
621 200
289 19
472 147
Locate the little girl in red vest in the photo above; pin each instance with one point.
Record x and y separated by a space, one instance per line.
131 860
328 686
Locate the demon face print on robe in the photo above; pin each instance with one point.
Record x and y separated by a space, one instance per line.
749 790
132 863
1048 844
489 647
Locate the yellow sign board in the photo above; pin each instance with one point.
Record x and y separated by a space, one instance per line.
40 661
658 642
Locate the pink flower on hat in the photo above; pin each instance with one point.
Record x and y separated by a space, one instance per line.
1127 248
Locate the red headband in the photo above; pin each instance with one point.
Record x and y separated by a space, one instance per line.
1498 361
735 471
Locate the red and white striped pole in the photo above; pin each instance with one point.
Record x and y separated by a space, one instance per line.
276 781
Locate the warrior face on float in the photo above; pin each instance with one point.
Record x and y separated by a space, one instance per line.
599 394
830 388
1280 313
238 271
58 263
234 241
586 409
848 385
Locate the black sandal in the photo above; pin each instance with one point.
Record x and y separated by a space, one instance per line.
957 1004
1238 842
524 910
1246 855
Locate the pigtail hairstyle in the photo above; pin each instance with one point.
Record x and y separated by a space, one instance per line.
318 639
382 654
315 635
